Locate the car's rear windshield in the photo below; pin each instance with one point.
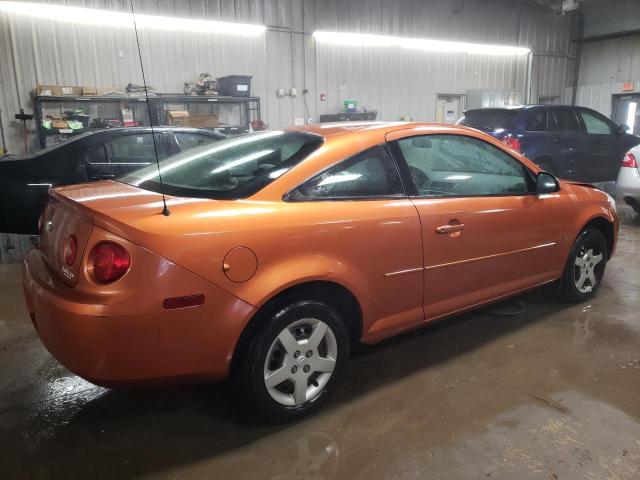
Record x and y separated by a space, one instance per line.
233 168
489 118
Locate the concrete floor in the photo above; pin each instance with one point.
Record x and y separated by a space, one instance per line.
553 393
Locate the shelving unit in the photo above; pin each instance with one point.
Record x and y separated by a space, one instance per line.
96 107
235 114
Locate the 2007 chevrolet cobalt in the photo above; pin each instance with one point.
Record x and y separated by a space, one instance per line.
281 250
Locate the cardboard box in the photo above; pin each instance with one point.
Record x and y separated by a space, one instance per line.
90 91
182 118
59 123
177 117
58 90
202 120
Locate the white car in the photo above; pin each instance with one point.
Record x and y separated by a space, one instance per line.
628 183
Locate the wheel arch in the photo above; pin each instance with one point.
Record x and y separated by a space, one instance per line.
330 292
606 228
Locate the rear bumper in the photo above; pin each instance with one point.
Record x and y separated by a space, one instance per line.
628 184
124 341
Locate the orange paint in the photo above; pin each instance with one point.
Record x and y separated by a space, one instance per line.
392 254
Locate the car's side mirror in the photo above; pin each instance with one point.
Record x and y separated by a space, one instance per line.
623 128
546 183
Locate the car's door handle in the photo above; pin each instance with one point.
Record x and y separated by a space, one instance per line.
450 228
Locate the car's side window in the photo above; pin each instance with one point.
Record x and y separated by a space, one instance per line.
96 155
537 122
595 125
369 174
187 141
457 165
135 149
566 120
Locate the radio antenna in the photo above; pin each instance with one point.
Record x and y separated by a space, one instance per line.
165 210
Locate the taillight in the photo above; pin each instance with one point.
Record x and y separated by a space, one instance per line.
512 142
110 262
629 160
70 250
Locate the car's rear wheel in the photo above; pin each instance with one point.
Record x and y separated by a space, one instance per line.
585 266
292 361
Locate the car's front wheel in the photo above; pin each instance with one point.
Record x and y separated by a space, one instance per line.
585 266
292 360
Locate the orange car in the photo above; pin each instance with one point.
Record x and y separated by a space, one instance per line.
281 250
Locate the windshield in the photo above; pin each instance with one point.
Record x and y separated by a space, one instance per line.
233 168
489 118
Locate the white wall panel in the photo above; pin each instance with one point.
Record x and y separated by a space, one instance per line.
606 64
394 82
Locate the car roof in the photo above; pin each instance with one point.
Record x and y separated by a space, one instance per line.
341 128
148 128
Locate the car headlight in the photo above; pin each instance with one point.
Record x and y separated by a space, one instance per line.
612 202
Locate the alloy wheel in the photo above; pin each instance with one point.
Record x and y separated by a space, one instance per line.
586 274
300 362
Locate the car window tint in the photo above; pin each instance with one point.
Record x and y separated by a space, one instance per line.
595 125
489 118
232 168
457 165
96 155
135 149
566 120
187 141
537 121
369 174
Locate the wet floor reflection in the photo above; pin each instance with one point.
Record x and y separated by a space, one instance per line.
551 393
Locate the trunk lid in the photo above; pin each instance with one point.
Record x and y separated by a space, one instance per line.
71 210
60 220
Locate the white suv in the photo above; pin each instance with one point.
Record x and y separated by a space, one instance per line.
628 183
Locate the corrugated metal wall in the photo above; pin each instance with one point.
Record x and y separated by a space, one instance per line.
403 82
394 82
606 64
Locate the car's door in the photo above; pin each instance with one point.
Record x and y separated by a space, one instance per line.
359 211
603 138
485 232
123 153
569 144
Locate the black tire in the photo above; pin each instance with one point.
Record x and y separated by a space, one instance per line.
589 239
250 372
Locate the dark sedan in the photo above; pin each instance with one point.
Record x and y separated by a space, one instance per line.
574 143
97 155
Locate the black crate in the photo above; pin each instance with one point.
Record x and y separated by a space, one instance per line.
235 86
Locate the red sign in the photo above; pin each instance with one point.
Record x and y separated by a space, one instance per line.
627 86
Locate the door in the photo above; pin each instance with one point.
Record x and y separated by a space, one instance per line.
626 112
485 232
122 154
569 145
448 108
359 209
604 143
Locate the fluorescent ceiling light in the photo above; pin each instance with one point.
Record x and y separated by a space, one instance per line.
367 40
91 16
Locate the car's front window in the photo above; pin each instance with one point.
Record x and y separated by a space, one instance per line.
233 168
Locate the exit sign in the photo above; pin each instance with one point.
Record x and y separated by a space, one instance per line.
627 86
